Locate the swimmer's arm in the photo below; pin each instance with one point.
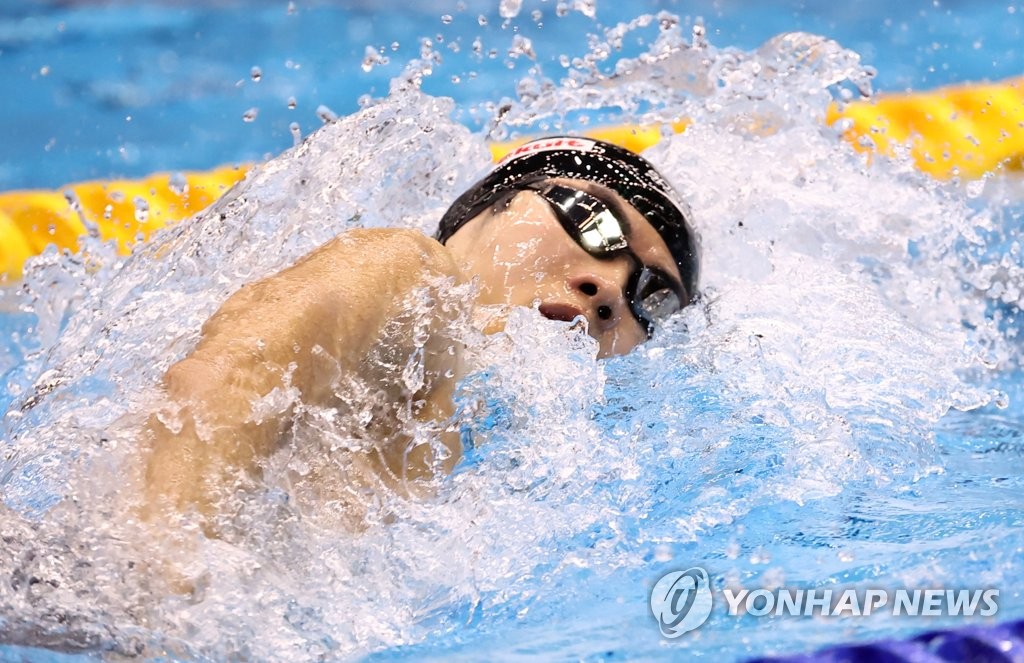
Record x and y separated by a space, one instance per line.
290 330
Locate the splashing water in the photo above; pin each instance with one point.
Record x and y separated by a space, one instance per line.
848 306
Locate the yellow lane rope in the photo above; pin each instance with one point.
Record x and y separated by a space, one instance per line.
964 131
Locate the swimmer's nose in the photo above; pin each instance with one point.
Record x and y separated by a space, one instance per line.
604 300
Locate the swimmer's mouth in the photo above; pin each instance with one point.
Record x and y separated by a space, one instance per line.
563 312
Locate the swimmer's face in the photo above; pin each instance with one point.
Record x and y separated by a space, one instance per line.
522 256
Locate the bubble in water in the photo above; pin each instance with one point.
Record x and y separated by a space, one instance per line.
296 132
562 9
481 20
446 19
292 103
256 74
250 115
292 10
44 70
394 45
325 114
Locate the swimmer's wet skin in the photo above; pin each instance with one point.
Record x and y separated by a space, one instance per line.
573 226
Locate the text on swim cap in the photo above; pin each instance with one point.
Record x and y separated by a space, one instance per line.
548 144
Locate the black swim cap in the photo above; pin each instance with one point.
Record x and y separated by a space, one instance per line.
624 172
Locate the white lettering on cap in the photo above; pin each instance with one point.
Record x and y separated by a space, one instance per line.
547 145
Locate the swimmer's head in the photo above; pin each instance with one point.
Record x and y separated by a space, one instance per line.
589 219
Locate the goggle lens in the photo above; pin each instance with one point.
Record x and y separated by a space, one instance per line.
651 294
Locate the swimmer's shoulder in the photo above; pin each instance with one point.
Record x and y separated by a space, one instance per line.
394 247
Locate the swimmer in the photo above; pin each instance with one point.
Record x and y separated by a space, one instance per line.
578 228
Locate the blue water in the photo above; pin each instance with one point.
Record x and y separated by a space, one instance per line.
133 88
847 410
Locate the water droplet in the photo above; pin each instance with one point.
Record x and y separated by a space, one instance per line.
482 20
108 212
699 34
509 8
51 229
178 183
564 60
586 7
394 46
562 9
292 103
296 132
44 70
325 114
256 74
372 58
478 46
843 124
141 209
446 19
292 10
975 188
521 46
250 115
456 80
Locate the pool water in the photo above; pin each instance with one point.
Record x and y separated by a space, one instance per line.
130 88
844 409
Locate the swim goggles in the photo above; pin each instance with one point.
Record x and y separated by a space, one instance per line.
651 294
